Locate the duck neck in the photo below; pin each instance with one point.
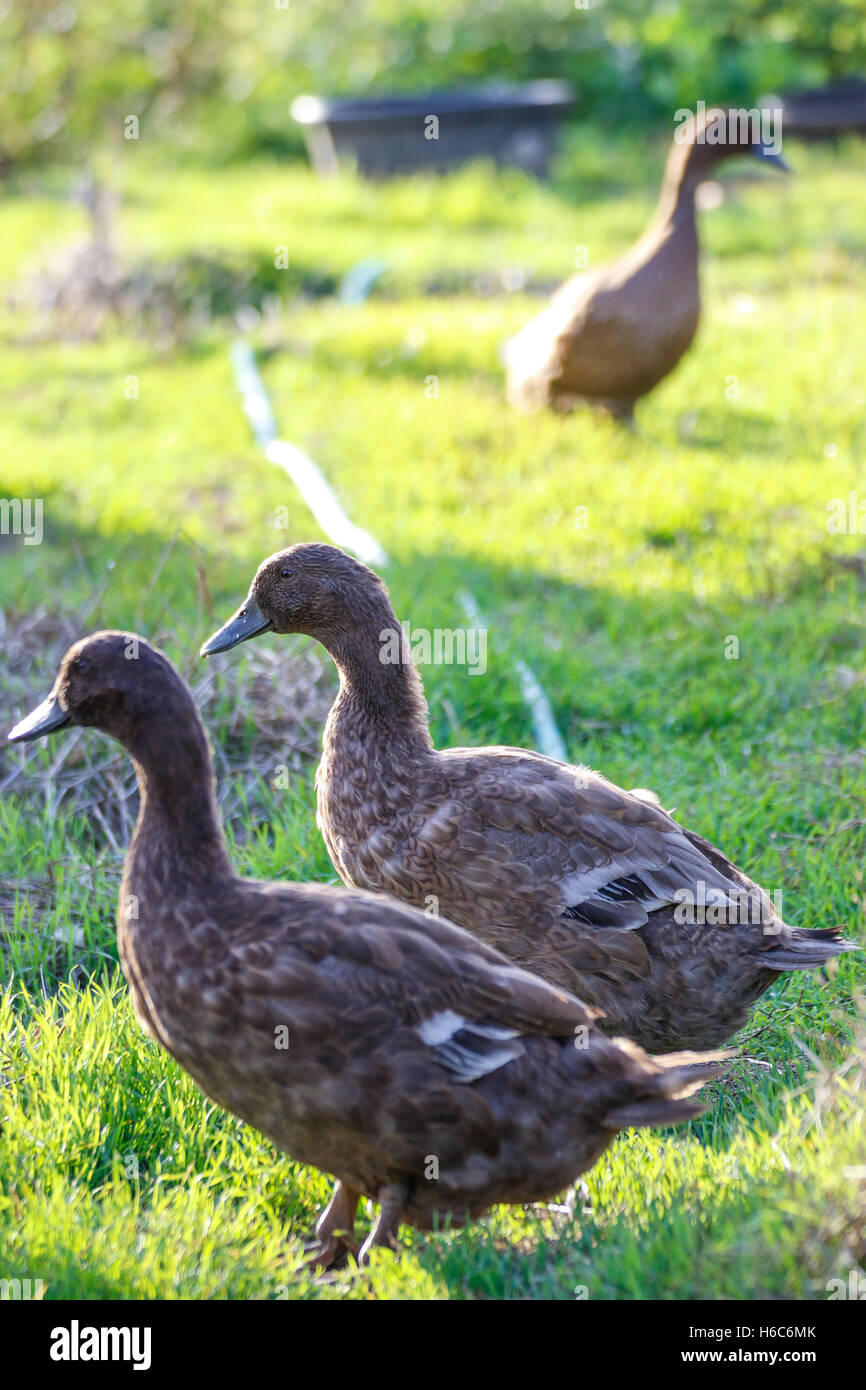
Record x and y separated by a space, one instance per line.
178 826
380 689
675 210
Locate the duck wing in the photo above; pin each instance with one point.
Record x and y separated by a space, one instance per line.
381 966
608 858
538 357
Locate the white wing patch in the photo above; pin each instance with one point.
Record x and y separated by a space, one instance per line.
440 1027
659 872
469 1049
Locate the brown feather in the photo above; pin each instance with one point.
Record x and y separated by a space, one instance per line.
420 1066
565 873
609 336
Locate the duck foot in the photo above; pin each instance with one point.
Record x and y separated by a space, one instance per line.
392 1201
334 1230
621 412
330 1254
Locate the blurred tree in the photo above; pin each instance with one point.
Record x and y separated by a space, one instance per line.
72 73
221 77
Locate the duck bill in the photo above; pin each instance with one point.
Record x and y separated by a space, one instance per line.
768 155
248 622
43 720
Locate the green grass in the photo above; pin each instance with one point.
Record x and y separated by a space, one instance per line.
708 523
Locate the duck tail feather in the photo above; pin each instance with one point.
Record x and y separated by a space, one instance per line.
653 1112
664 1086
807 949
684 1073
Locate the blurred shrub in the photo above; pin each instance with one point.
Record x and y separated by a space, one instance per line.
220 77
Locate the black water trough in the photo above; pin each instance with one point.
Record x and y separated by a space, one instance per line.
822 113
513 125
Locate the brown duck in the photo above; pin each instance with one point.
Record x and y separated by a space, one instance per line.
609 336
395 1051
599 891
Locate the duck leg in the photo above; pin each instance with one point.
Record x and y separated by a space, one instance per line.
620 411
335 1228
392 1200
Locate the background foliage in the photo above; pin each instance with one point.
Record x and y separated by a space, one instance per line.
221 77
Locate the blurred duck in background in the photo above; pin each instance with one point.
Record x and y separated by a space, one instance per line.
609 336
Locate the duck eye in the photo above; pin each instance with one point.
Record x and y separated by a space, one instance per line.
287 574
82 666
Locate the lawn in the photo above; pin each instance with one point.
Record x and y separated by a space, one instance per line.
619 566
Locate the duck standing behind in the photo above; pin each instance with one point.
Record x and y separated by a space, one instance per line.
609 336
599 891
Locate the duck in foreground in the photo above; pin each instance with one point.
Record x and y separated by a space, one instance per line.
609 336
599 891
395 1051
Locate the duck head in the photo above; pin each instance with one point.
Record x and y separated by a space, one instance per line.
311 588
703 140
108 681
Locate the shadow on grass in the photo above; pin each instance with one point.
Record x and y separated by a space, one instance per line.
755 432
